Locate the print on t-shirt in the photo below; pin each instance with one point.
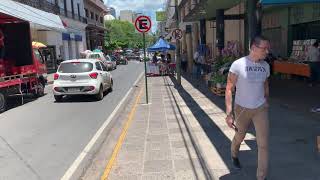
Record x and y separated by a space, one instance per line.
256 73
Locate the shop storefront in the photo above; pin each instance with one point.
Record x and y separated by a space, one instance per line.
292 29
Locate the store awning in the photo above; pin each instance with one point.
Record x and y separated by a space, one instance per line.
38 18
280 2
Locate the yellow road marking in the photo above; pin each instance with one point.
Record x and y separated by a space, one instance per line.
121 139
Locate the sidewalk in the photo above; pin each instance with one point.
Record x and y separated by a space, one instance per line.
158 144
182 135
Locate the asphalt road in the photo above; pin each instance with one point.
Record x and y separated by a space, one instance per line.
41 139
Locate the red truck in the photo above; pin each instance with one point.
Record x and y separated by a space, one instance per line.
22 68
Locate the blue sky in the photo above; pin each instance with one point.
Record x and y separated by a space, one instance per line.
147 7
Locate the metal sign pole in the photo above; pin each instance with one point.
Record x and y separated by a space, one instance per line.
145 65
178 61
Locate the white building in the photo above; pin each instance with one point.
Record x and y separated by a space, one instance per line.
126 15
74 39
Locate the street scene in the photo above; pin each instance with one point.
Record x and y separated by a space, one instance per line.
159 90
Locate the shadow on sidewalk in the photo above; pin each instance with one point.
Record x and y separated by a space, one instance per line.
291 141
174 103
213 132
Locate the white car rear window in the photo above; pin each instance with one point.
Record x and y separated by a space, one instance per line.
75 67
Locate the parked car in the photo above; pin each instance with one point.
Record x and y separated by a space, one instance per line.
81 77
121 60
111 64
117 59
114 60
97 55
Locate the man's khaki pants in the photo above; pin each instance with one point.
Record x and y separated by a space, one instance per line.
259 117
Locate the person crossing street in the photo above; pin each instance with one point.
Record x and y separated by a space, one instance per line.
249 75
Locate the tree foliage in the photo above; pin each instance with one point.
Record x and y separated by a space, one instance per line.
122 34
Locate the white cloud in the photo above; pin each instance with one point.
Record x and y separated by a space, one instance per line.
147 7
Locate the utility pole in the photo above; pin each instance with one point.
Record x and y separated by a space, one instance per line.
178 60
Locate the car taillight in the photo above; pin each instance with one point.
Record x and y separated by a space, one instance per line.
55 76
93 75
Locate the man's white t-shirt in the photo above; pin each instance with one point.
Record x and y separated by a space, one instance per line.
250 83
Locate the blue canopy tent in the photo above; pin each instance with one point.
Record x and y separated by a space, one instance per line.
161 45
282 2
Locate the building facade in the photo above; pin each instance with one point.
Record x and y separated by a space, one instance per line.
126 15
211 26
161 27
95 10
284 24
73 40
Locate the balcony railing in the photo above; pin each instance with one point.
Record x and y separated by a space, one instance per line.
71 15
41 4
94 22
99 4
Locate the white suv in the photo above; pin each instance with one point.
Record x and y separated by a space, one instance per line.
82 77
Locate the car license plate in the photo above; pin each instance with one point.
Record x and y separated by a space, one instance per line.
73 89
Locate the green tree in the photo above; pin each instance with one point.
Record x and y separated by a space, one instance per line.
122 34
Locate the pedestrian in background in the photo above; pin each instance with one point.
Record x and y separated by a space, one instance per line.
154 58
169 58
196 67
249 75
184 59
